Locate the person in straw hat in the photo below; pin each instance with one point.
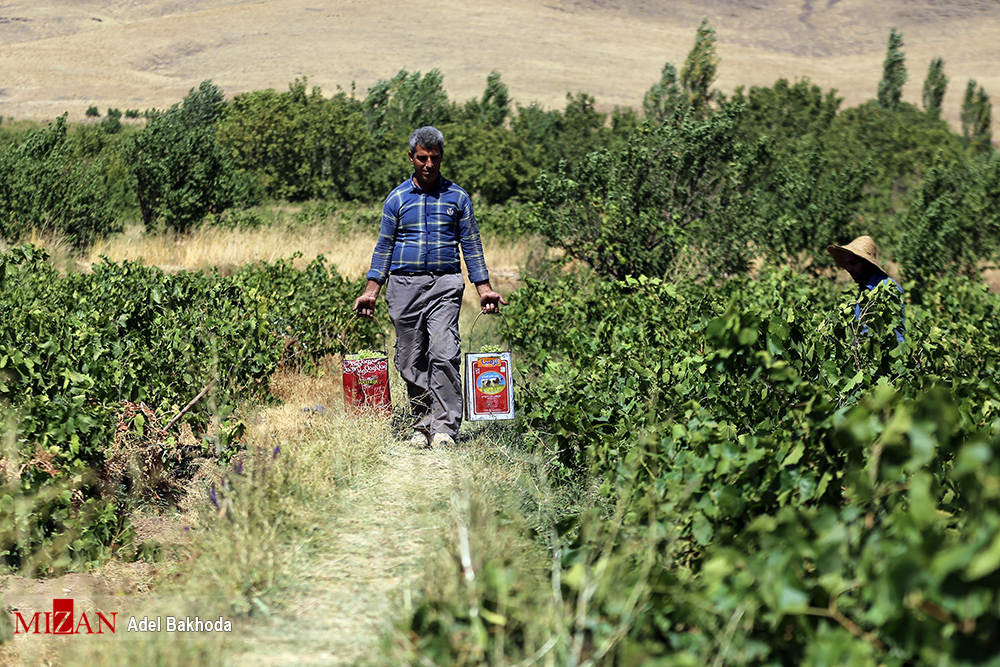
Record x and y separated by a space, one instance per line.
860 259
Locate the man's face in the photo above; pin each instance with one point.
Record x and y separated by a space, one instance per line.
859 269
426 165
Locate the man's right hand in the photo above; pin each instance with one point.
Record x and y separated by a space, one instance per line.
364 305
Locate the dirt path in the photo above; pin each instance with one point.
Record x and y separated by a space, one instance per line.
373 548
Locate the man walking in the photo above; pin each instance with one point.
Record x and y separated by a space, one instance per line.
424 222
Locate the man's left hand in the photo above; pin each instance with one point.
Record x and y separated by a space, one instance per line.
490 300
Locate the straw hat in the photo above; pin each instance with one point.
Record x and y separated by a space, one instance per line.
863 247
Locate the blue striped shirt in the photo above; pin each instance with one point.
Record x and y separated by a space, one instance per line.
421 232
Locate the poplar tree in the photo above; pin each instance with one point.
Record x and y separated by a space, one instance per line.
977 117
700 69
664 98
890 88
495 104
934 88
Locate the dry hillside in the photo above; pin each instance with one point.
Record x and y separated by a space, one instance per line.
65 55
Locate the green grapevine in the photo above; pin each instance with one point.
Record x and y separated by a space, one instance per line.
77 349
365 354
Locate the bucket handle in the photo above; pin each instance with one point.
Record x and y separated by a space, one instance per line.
473 327
343 334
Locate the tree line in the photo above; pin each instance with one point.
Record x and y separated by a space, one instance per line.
777 170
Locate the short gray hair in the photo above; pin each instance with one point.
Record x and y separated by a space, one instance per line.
428 137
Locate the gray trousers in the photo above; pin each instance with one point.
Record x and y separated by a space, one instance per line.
424 311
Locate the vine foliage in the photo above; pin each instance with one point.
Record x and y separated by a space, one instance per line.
80 351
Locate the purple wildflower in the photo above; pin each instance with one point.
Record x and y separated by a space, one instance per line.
212 496
239 468
277 450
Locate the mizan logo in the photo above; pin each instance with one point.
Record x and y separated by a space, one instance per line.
62 621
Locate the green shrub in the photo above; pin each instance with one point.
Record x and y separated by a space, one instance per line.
298 145
94 361
901 145
812 487
181 171
45 187
630 212
953 219
112 122
488 162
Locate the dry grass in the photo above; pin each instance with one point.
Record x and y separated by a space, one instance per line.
330 448
500 496
362 554
226 248
356 557
389 545
62 256
488 566
212 246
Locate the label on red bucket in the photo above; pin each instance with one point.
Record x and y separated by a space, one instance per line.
488 390
366 385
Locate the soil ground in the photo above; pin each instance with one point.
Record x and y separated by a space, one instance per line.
65 55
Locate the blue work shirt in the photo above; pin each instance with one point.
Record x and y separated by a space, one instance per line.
874 280
422 230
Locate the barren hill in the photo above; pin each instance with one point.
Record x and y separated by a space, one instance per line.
65 55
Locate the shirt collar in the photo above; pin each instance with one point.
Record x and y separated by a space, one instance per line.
442 184
874 279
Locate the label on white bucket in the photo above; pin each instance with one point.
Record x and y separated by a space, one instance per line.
488 389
